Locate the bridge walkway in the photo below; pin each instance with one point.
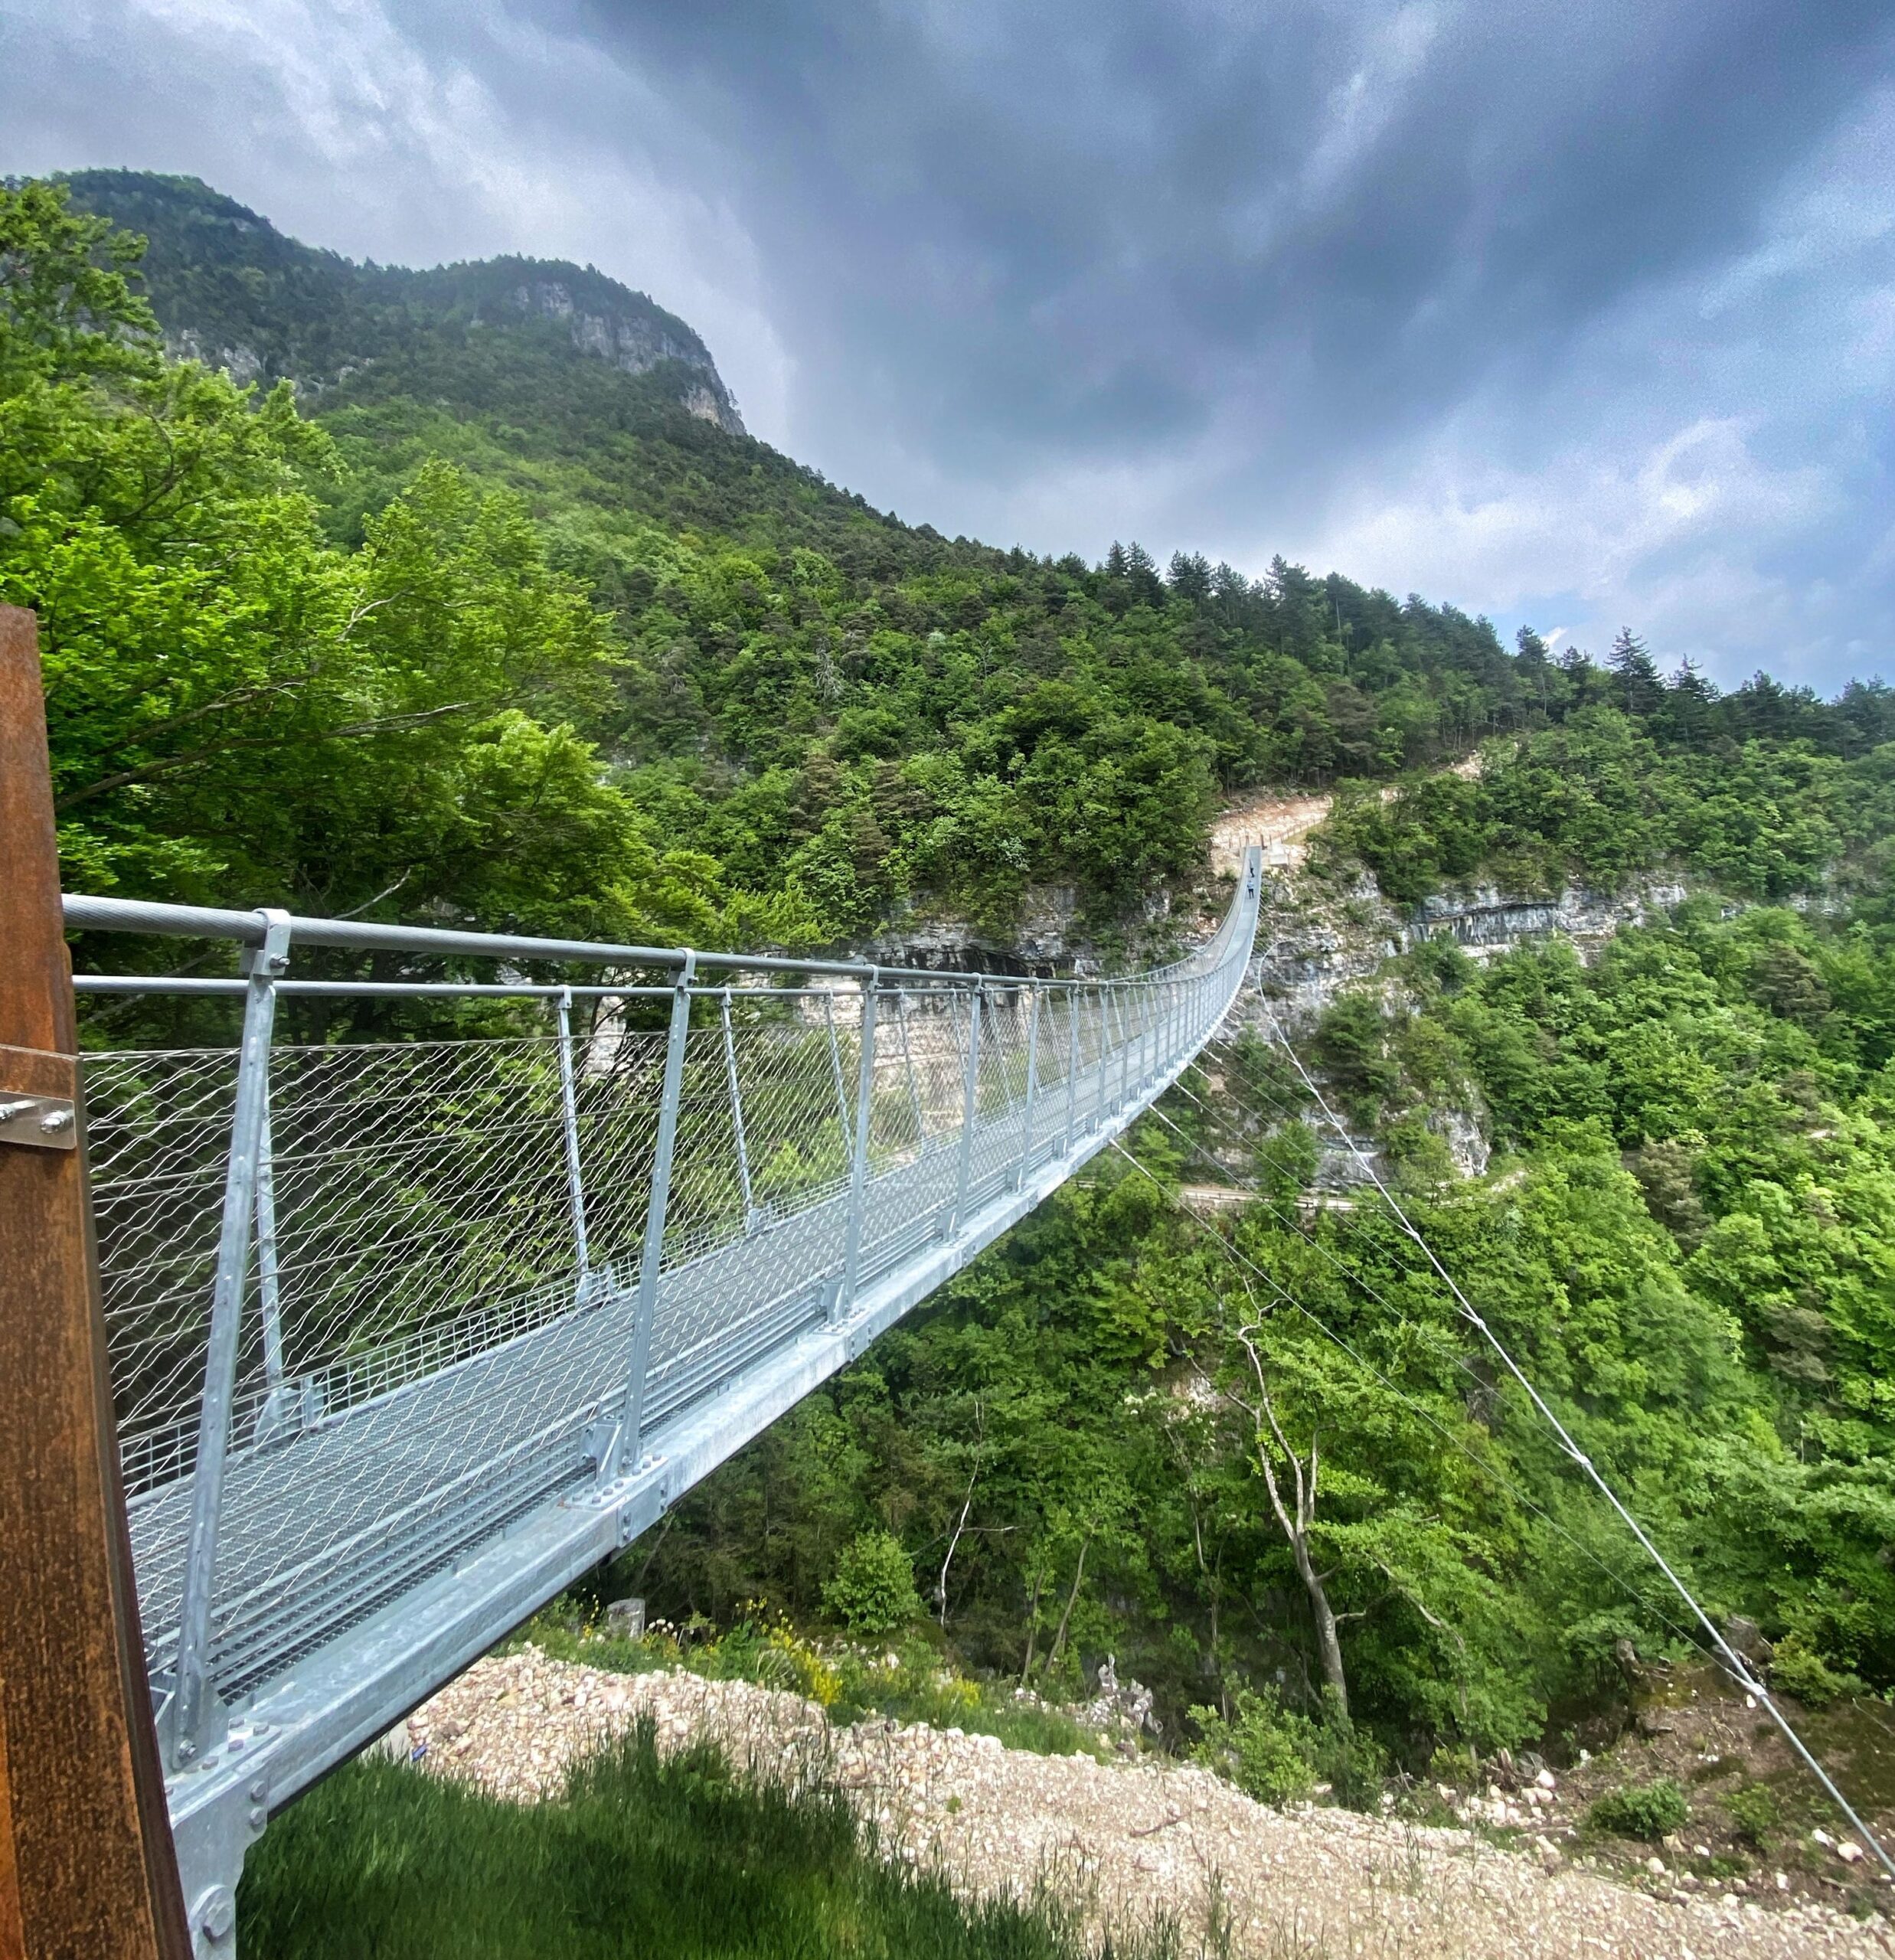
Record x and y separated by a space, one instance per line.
406 1334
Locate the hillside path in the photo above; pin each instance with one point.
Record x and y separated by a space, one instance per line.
1281 824
1121 1841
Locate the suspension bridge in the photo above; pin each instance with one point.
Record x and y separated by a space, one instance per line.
404 1332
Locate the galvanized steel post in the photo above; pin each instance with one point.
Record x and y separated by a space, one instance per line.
1032 1079
858 1167
1123 1006
736 1115
185 1724
269 1277
1072 1065
651 1252
970 1104
569 1124
279 1412
1108 1044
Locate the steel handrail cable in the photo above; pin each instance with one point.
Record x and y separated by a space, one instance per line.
1486 1468
1741 1676
1734 1662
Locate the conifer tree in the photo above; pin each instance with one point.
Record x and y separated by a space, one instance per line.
1142 572
1689 706
1640 690
1191 576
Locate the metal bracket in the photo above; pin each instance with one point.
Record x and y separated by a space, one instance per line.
289 1410
212 1838
271 960
605 1441
610 1492
41 1123
629 1525
214 1722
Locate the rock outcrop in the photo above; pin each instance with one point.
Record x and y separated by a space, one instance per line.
635 342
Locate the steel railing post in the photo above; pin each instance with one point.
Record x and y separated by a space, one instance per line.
1073 1006
969 1110
569 1124
1103 1018
858 1165
1033 1083
1121 1045
736 1114
843 1114
269 1277
908 1067
1089 1010
651 1252
1122 1014
276 1414
186 1723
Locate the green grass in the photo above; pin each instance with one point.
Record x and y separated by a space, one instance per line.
642 1856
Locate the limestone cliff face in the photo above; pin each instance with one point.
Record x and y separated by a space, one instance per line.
1045 936
243 363
230 290
1308 950
1313 943
636 343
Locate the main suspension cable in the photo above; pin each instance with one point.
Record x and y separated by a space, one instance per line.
1624 1584
1735 1664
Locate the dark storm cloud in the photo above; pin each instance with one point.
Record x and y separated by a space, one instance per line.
1000 228
1582 314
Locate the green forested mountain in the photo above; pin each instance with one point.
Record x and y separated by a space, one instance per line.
474 623
798 699
1687 1235
231 288
841 712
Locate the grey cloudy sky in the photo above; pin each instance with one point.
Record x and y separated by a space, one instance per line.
1580 314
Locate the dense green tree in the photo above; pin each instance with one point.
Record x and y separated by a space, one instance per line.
240 711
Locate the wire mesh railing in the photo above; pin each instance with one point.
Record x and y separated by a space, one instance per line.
371 1301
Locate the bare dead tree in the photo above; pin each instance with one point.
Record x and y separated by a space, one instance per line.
967 1504
1296 1518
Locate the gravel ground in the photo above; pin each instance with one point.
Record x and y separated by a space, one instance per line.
1122 1842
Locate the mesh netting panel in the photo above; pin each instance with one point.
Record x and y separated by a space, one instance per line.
424 1353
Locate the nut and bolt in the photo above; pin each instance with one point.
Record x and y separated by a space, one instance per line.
217 1912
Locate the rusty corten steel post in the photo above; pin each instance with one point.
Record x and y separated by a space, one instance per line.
86 1861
